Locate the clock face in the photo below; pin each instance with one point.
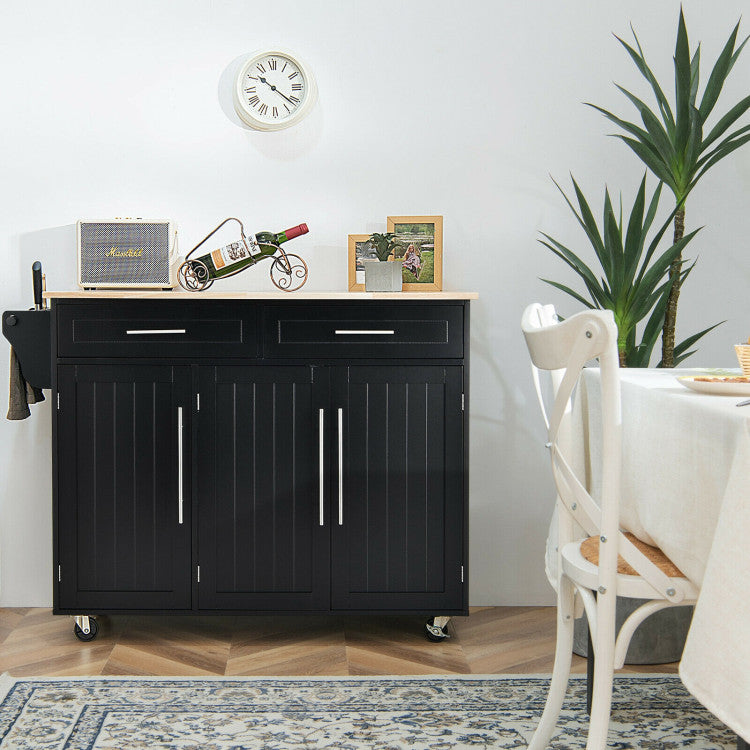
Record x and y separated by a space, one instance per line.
273 90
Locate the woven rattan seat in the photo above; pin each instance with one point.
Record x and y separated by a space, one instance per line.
590 550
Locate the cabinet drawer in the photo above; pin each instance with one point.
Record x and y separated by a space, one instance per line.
370 330
157 329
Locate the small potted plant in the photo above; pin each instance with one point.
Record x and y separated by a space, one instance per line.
383 275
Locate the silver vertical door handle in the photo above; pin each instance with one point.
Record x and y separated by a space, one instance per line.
321 418
179 465
341 467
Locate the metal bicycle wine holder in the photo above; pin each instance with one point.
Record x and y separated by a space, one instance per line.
288 271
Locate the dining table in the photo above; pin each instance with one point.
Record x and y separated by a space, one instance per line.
686 489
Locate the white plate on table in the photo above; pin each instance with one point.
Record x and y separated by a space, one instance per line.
726 386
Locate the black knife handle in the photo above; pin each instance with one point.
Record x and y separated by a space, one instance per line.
36 274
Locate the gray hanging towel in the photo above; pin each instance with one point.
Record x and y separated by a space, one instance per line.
21 393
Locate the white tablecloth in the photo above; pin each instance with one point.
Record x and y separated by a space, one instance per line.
686 489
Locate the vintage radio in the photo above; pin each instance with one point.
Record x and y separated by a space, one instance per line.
127 253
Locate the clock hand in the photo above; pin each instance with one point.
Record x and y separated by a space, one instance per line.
273 88
284 95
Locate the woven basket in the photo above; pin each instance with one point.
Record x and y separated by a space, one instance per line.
743 355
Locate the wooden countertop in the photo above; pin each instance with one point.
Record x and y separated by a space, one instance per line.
182 295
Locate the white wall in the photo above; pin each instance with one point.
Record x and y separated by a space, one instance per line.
427 106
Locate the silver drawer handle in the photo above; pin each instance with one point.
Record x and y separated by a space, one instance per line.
367 332
141 332
179 465
321 419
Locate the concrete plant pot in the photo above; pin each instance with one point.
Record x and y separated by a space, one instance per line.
659 639
383 276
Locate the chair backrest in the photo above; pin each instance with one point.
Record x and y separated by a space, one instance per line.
563 349
561 527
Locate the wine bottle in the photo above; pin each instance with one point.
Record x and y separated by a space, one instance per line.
238 255
268 241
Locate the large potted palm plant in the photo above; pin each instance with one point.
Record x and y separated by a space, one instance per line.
642 288
630 278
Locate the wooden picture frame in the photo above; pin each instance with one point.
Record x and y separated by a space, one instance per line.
356 245
399 225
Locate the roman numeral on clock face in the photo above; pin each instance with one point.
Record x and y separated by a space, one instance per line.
253 101
296 87
260 68
275 112
251 90
294 100
263 109
292 75
272 64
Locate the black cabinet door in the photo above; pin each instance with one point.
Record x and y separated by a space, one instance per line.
397 534
123 541
263 528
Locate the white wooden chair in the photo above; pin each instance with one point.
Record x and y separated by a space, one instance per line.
603 562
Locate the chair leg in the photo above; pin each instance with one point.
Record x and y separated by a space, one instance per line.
561 670
590 660
604 654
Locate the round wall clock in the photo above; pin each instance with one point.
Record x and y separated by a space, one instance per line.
273 90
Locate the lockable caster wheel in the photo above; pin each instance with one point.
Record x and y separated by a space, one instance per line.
435 629
93 630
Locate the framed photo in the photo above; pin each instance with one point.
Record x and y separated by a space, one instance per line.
360 249
420 241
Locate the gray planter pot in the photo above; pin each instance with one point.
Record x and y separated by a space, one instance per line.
658 640
385 276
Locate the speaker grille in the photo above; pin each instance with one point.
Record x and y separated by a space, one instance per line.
124 254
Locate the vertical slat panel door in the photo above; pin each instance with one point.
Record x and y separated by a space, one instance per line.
263 528
398 489
123 534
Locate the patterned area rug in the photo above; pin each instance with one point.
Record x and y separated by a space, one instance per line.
347 713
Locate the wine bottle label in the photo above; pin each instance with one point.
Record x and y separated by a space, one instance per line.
230 254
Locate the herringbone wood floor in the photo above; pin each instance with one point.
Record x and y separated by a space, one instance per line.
492 640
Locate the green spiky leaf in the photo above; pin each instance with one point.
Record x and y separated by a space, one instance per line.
673 143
